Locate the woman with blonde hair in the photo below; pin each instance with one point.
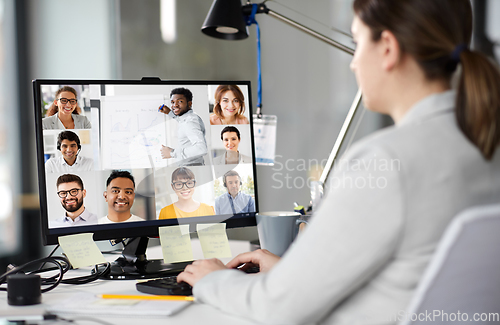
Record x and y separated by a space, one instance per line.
229 106
64 113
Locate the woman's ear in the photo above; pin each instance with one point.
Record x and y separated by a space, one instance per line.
391 50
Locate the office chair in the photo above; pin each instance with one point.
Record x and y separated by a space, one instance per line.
462 281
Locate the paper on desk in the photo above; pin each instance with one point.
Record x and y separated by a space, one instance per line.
85 303
176 244
213 239
81 250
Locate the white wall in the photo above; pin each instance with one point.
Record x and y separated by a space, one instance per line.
73 39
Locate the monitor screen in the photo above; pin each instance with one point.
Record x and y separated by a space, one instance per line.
120 159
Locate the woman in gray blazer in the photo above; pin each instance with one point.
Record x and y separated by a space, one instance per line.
64 113
366 247
230 137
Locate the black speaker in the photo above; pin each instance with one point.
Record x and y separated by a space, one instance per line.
23 289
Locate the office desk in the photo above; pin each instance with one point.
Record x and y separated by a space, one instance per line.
194 314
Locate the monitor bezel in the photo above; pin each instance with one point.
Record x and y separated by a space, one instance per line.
148 228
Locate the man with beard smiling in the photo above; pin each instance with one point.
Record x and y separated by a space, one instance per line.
71 193
120 195
190 133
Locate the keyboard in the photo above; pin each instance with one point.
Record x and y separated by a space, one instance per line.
168 286
165 286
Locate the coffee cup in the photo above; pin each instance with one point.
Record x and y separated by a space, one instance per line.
277 230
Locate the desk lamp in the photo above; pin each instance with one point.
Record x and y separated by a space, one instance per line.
228 19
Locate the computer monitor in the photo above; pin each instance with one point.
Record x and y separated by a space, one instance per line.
121 158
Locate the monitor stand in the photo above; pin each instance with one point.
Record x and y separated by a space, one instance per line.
133 263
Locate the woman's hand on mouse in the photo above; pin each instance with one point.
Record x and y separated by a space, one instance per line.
262 258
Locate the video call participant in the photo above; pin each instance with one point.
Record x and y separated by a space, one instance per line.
230 137
367 246
233 201
190 133
71 193
68 143
183 184
64 113
120 195
229 106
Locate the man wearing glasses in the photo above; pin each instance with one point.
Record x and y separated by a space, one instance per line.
183 184
64 113
68 143
233 201
71 194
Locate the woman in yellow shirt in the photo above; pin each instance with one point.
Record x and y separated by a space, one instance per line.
183 183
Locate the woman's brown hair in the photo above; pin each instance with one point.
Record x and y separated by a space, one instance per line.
53 108
437 34
182 173
236 92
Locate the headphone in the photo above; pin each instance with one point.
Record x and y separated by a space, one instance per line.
60 139
226 174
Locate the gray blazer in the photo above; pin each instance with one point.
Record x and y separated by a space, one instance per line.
221 160
53 123
362 255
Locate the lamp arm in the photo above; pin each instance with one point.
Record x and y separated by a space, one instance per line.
340 138
262 8
311 32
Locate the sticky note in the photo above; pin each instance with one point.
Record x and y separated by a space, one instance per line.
176 244
213 240
81 250
84 136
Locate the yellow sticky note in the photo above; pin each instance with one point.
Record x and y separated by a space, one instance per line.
213 239
176 244
81 250
84 136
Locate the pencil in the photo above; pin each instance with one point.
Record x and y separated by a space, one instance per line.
152 297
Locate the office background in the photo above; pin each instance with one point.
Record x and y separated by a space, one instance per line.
306 83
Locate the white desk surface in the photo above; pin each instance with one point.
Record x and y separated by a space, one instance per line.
194 314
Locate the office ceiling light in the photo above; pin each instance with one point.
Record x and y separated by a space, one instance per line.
167 21
225 20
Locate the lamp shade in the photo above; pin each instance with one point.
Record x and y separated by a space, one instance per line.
225 20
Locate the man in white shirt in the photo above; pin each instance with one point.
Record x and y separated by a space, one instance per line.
190 133
69 145
71 193
233 201
120 195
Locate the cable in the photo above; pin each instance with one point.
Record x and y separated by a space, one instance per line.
249 21
96 274
50 255
62 264
91 319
